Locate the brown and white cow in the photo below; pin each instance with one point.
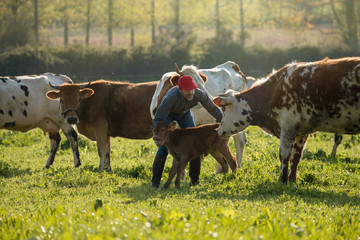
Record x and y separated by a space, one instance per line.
24 106
214 81
190 143
295 101
104 109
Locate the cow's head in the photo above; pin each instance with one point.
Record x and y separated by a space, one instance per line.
237 114
161 132
70 96
198 78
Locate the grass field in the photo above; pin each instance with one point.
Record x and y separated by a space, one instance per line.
64 202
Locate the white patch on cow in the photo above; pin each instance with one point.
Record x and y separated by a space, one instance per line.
234 114
290 70
313 70
305 72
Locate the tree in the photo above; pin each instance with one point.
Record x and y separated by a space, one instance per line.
16 23
110 22
36 21
346 17
87 26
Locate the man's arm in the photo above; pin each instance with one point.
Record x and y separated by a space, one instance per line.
208 104
164 108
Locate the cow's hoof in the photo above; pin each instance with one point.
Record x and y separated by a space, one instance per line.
78 164
155 186
194 183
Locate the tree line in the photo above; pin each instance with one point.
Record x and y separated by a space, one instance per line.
25 22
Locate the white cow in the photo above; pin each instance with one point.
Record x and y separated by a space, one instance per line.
24 106
214 81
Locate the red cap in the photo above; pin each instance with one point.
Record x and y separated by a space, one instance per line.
186 83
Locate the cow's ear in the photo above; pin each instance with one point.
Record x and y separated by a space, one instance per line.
53 94
220 102
86 92
204 78
174 80
172 126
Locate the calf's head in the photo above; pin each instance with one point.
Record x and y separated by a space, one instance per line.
70 96
237 114
161 133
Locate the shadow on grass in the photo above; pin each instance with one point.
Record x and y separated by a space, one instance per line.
321 155
9 171
274 191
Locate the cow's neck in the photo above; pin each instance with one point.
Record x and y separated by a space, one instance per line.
259 99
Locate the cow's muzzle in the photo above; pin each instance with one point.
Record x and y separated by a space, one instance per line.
158 141
66 111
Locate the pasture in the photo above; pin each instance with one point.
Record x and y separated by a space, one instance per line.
65 202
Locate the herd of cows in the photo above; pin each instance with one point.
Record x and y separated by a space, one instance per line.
291 103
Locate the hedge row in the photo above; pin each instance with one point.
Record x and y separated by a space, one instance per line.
87 63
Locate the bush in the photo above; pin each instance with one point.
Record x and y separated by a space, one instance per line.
85 63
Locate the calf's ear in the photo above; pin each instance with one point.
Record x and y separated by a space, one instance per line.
86 92
220 102
172 126
53 94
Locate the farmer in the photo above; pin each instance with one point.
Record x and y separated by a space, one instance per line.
176 106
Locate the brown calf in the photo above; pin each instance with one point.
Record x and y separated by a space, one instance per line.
190 143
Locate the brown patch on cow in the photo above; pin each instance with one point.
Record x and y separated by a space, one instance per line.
174 79
203 77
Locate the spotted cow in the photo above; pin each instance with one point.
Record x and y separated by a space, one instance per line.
24 106
104 109
214 81
295 101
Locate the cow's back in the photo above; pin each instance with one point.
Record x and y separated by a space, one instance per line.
124 106
321 96
23 102
201 138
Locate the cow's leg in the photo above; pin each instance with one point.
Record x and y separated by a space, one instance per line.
54 138
172 173
221 161
286 142
296 154
103 144
337 141
239 141
222 146
180 168
72 137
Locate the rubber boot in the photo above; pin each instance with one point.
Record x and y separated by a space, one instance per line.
158 168
194 171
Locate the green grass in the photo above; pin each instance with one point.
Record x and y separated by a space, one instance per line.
64 202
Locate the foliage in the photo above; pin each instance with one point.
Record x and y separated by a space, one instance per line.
64 202
84 63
